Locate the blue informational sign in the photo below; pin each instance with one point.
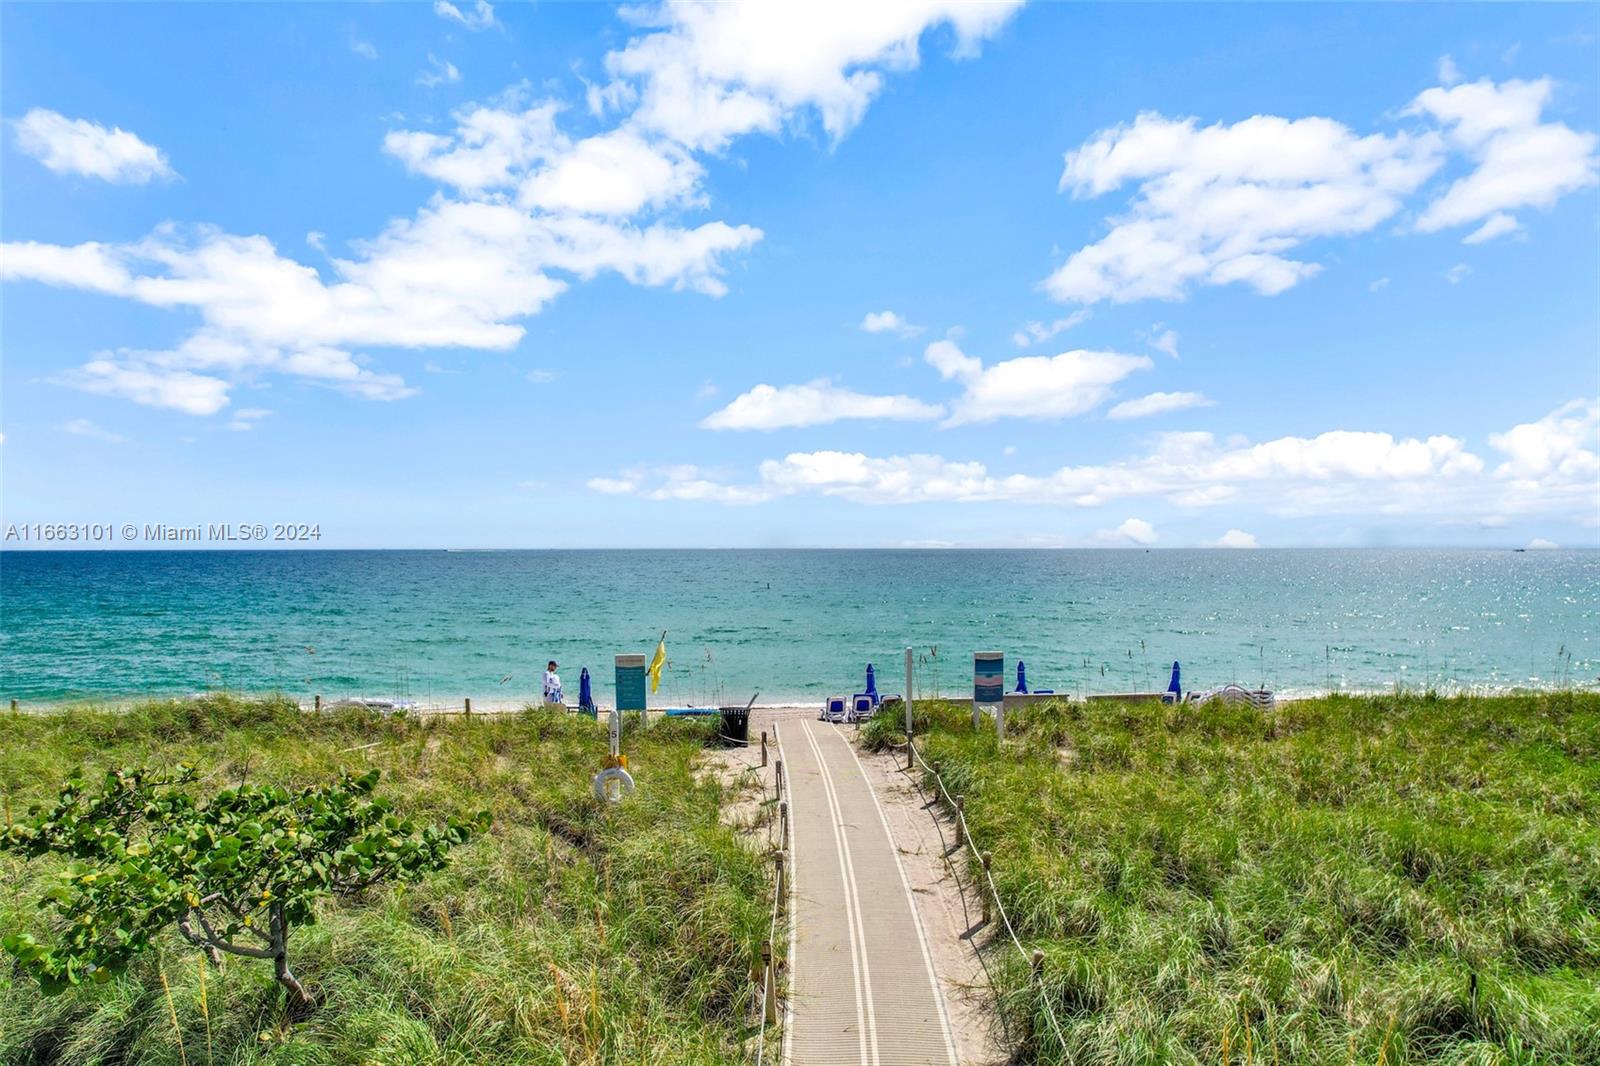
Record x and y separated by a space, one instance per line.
630 683
988 677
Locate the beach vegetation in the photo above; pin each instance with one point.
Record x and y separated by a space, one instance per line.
1379 879
236 875
566 931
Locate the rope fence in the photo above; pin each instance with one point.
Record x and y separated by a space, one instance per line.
778 844
1036 958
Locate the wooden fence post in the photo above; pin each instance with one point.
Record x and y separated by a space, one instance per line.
316 702
1036 965
781 885
961 821
771 997
467 704
783 822
986 892
763 749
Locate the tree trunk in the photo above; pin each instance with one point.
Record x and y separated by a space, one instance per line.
300 1001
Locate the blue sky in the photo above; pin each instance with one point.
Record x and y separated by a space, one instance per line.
561 275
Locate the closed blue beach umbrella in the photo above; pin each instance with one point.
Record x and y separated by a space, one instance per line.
872 685
585 692
1175 688
1022 677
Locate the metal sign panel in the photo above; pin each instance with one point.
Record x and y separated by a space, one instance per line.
630 682
988 677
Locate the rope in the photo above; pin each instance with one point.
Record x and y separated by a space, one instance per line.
773 826
1000 908
966 915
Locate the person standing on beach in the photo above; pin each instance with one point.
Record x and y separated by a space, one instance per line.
552 683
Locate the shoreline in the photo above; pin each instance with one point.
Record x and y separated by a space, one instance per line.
500 706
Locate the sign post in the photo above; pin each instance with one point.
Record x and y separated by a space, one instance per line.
613 782
989 689
909 756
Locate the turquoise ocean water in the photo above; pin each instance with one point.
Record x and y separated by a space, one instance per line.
434 626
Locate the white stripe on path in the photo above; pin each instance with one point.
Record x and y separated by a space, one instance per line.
862 986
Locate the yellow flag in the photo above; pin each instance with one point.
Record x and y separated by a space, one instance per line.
657 662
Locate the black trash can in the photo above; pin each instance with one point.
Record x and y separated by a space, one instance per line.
735 725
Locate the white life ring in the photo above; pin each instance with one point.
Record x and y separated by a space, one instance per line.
603 779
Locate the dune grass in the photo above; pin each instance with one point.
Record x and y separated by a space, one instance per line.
1345 880
569 933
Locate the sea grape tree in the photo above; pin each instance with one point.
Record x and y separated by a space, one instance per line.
235 874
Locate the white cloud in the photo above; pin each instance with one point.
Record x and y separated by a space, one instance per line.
541 375
1236 538
612 486
1540 544
180 390
1132 531
1337 471
480 16
508 145
1378 285
888 322
78 146
815 404
364 49
93 266
1457 274
706 72
896 479
1560 447
1224 203
1496 225
438 72
1521 161
457 275
245 418
1227 203
1158 403
1030 386
1164 341
1449 73
1039 332
490 148
83 427
616 173
688 482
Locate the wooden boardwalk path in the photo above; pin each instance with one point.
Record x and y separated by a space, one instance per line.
862 987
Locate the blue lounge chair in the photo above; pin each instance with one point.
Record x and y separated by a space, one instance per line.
833 709
861 707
